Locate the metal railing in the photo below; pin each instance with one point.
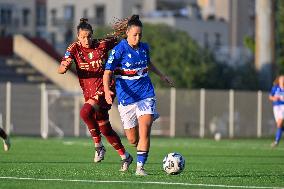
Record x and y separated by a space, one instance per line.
41 110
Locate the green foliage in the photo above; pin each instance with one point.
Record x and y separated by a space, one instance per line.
245 77
177 55
249 42
101 32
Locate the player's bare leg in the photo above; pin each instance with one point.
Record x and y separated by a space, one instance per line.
279 124
6 140
145 123
132 135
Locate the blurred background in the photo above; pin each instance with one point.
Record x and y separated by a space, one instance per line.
222 55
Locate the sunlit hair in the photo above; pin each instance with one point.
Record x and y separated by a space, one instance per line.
134 21
84 25
276 80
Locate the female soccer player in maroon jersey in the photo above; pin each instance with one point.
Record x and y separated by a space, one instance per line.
6 140
89 54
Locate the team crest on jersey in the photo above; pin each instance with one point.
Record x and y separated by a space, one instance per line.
91 55
129 55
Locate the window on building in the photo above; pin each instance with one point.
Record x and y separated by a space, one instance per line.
68 36
100 14
53 38
5 16
40 14
217 40
26 13
53 16
69 12
206 40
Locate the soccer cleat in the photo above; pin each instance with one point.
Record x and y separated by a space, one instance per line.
274 144
99 154
140 171
125 163
7 144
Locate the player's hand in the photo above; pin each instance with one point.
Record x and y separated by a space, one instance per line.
108 96
168 80
66 65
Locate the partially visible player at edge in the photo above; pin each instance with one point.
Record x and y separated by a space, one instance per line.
6 140
89 54
277 98
129 61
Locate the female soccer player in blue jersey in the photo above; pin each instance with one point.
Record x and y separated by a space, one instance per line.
129 62
277 97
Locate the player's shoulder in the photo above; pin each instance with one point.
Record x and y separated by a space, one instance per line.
275 87
73 45
144 45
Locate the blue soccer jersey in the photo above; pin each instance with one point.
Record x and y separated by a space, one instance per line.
130 68
277 91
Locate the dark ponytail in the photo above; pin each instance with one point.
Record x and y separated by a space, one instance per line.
134 21
84 25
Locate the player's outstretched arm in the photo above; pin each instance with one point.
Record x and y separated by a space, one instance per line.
163 77
106 81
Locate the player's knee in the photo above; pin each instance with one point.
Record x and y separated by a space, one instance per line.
84 114
102 117
133 141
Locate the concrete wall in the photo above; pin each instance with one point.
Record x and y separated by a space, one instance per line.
197 29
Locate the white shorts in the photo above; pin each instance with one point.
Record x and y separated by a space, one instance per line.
278 112
129 114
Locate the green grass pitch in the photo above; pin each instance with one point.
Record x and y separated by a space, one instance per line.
68 163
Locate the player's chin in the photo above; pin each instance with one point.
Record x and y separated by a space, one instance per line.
86 45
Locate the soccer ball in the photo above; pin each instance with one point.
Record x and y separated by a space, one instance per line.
173 163
217 136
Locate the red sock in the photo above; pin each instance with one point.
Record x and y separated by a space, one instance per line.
121 151
86 114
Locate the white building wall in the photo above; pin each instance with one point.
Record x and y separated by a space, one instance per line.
199 30
17 7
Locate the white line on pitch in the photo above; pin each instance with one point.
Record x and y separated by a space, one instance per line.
140 182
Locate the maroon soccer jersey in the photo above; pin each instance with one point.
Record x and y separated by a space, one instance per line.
90 67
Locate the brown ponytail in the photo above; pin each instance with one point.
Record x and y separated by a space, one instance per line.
276 81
